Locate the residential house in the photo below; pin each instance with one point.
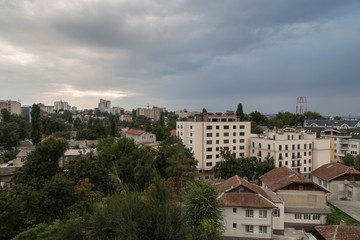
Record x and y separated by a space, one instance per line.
304 202
6 176
22 155
340 180
71 153
141 137
339 124
247 210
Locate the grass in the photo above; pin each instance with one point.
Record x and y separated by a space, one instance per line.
337 215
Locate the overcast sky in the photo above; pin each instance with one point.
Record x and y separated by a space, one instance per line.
183 54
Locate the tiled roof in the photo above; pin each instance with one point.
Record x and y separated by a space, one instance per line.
331 171
281 177
135 132
257 197
7 171
310 210
173 132
339 232
236 199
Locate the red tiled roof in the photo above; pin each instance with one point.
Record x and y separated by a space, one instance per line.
331 171
339 232
173 132
235 199
281 177
136 132
257 197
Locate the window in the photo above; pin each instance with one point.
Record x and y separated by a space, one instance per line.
280 147
249 213
316 217
209 134
226 134
209 164
241 154
242 134
293 147
218 134
307 216
286 147
217 141
242 126
190 141
309 146
226 141
304 169
276 212
262 229
280 164
217 149
286 154
309 169
253 144
234 140
234 225
234 147
305 154
208 142
208 149
259 145
249 228
286 163
298 146
242 140
268 146
262 214
309 153
297 216
190 127
190 134
226 126
234 127
234 210
217 155
234 134
217 127
208 156
304 146
209 127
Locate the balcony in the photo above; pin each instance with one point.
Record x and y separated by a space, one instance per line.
296 157
296 165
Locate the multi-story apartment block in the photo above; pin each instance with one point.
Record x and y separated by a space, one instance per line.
300 151
60 105
342 142
104 105
153 113
205 134
13 107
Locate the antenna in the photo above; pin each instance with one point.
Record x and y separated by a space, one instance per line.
301 105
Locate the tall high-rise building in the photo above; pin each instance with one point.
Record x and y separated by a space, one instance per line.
104 105
61 106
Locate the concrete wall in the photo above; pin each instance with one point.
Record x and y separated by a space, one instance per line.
239 218
297 198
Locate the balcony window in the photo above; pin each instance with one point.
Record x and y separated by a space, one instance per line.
262 214
249 213
249 228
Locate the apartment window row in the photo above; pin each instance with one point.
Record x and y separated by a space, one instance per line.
225 141
300 216
250 228
210 149
250 213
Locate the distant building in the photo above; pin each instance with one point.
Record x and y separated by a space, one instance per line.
46 109
13 107
339 124
104 105
335 232
117 110
61 106
141 137
126 117
152 113
6 176
182 113
26 112
298 150
206 133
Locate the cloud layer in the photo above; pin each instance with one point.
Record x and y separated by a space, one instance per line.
177 54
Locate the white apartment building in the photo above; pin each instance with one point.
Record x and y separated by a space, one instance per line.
104 105
300 151
205 134
60 105
342 142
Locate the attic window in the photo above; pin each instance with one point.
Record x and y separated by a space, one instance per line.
329 166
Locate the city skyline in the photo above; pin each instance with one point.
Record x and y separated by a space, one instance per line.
183 54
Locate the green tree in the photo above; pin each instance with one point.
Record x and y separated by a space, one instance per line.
67 116
5 116
9 135
338 118
112 126
35 124
357 162
240 112
348 160
42 163
204 110
201 205
258 118
161 132
162 119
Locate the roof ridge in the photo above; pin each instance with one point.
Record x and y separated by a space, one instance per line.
266 199
335 233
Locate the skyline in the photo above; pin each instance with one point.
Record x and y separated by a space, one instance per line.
183 54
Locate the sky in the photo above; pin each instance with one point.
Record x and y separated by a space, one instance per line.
183 54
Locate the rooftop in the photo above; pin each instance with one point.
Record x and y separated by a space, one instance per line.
331 171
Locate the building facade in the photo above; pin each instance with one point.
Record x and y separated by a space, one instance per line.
13 107
152 113
206 134
104 105
298 150
61 106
